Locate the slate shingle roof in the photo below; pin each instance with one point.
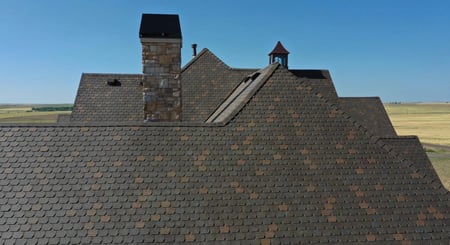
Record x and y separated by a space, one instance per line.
410 149
63 118
206 83
370 112
288 168
320 82
96 101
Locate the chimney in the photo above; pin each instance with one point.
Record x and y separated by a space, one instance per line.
279 54
194 49
160 37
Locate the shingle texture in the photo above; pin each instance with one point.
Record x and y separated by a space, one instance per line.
320 83
410 149
97 101
288 168
206 83
63 118
370 112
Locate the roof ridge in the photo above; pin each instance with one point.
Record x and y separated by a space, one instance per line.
413 165
379 142
380 109
203 52
241 95
370 137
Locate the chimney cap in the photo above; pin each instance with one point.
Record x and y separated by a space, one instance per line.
160 26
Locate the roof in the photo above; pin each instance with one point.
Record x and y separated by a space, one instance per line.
63 118
288 166
206 83
279 49
160 26
202 92
241 95
370 112
97 101
410 149
320 82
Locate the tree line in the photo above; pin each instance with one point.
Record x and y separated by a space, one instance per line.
52 108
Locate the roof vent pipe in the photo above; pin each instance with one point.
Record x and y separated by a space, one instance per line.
194 49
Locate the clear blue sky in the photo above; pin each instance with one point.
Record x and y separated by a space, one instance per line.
396 49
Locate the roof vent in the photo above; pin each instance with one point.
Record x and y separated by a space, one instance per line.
251 77
114 83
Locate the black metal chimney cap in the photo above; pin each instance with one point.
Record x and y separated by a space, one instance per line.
160 26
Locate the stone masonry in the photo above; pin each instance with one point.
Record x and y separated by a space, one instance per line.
161 60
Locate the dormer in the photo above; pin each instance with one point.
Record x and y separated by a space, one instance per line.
279 54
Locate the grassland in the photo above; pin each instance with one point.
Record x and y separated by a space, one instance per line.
25 114
431 122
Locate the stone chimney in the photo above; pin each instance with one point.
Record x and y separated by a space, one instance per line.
160 37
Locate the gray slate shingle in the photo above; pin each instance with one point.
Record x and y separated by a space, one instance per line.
96 101
370 112
288 168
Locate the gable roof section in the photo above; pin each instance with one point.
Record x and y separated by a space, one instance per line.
206 83
287 167
96 101
370 112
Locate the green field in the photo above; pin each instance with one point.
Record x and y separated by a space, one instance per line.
431 122
25 114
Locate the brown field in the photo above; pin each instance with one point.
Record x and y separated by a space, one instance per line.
431 122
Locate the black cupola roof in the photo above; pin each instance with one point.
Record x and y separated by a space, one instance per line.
160 26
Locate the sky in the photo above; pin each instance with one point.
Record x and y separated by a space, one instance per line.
398 50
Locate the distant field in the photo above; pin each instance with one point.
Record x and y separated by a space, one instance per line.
431 122
25 114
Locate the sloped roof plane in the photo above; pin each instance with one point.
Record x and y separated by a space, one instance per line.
287 167
96 101
279 49
206 83
370 112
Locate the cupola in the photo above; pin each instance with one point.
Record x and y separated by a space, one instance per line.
279 54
